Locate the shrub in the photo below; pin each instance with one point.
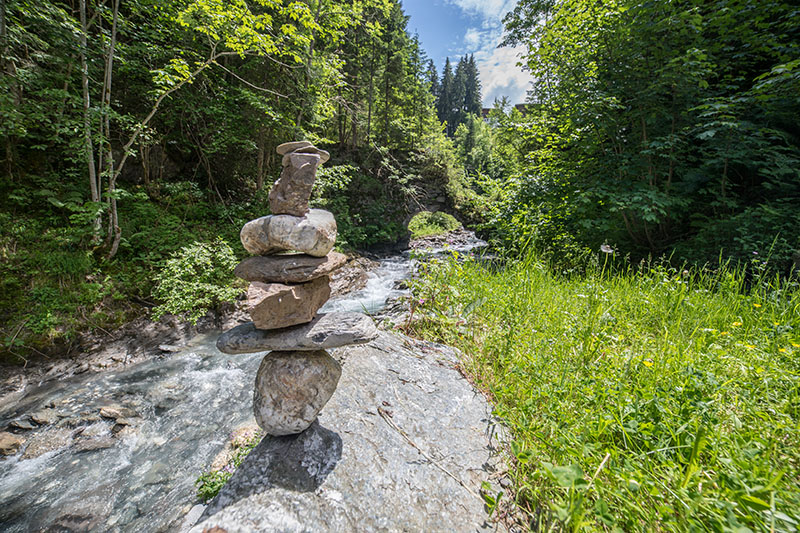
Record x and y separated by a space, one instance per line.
195 279
426 223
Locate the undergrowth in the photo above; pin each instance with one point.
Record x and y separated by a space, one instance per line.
425 224
650 398
209 483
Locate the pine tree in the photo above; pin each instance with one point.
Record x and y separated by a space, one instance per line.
433 80
459 91
444 105
472 99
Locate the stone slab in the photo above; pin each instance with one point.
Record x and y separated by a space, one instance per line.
286 148
327 330
323 155
289 268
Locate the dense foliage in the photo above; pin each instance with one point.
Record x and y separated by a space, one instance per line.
131 129
425 224
646 399
656 127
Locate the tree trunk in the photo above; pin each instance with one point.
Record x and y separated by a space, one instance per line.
371 90
386 97
114 231
309 59
94 186
3 54
262 152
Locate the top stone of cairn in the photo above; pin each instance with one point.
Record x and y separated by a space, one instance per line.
290 194
285 148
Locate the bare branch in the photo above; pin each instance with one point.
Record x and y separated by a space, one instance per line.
229 71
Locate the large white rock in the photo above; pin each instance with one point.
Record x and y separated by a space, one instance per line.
313 234
292 388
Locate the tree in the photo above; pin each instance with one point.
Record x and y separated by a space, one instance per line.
472 85
655 131
446 97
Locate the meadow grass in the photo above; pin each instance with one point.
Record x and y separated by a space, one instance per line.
654 399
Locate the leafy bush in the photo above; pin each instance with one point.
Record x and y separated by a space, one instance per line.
426 223
195 279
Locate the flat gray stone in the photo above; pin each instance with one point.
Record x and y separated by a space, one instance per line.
117 411
291 193
323 155
292 388
23 423
313 234
326 331
275 305
285 148
354 470
289 268
45 417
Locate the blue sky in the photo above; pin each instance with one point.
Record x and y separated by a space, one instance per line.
458 27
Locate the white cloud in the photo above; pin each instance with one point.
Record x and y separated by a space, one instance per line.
499 73
488 9
472 39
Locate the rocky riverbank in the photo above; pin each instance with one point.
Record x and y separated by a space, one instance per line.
145 339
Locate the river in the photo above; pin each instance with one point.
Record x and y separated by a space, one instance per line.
137 473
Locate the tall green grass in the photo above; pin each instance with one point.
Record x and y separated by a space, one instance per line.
653 399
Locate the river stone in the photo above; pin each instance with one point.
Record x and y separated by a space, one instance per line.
323 155
377 478
23 423
45 416
313 234
275 305
9 443
290 268
117 411
46 441
292 388
285 148
290 194
327 330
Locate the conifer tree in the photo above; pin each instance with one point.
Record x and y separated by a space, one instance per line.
472 99
433 80
445 103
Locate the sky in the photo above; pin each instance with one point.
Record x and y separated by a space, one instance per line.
454 28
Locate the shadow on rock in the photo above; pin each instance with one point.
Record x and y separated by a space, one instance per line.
294 462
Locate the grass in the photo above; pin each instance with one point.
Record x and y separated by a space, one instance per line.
425 224
209 483
652 399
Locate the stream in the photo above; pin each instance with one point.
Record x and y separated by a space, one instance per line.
134 469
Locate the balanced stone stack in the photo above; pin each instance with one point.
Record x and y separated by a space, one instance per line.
289 282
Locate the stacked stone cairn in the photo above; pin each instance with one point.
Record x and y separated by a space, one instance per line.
289 282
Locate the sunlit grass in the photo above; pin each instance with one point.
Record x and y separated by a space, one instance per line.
654 399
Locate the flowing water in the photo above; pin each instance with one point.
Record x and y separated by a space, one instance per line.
140 476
